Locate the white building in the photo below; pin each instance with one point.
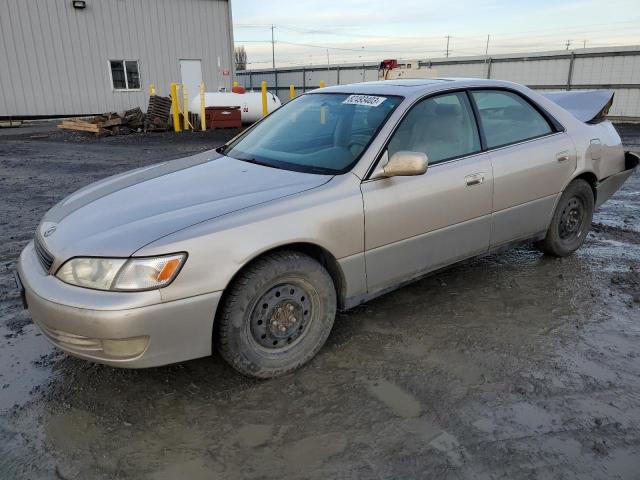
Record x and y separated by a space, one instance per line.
71 57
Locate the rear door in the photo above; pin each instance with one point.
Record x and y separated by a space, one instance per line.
532 162
416 224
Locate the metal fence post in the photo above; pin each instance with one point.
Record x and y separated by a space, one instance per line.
570 75
185 108
203 121
175 107
265 110
275 74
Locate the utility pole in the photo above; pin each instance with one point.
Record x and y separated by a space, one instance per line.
273 49
328 62
447 53
584 44
486 48
568 44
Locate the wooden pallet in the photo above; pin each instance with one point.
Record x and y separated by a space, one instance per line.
107 124
157 117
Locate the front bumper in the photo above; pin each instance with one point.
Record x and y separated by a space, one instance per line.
123 329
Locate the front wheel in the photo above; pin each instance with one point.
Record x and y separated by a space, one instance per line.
277 315
571 220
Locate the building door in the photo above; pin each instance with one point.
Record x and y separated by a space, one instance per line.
191 75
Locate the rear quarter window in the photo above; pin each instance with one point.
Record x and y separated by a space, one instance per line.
508 118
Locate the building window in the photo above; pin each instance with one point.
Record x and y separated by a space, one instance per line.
125 74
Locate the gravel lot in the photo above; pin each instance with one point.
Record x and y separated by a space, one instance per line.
510 366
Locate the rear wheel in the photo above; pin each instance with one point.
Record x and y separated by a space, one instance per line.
277 315
571 220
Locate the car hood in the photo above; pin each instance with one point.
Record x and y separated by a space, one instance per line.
119 215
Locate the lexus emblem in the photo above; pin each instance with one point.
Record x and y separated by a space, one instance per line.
49 231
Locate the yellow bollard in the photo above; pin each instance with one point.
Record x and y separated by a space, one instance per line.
185 108
265 111
203 120
321 83
175 107
292 92
152 89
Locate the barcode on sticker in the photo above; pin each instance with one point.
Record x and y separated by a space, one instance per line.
370 100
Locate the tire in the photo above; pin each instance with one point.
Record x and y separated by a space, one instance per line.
277 314
571 220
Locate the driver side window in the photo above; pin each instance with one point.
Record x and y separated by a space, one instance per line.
442 127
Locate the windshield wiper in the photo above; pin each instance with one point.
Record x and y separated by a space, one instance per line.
319 170
257 162
304 169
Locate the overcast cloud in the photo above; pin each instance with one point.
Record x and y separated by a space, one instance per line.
370 30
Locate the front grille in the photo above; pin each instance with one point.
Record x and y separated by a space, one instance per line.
44 257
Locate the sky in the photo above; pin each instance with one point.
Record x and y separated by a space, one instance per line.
344 31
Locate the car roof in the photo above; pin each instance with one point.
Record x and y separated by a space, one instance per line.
410 87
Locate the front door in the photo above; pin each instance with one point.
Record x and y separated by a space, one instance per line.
417 224
191 75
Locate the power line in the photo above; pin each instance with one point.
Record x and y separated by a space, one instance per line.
332 31
464 43
362 49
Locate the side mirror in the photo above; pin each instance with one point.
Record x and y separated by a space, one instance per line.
403 164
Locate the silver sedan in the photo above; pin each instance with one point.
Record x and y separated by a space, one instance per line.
339 196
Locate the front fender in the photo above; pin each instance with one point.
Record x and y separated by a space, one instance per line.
330 216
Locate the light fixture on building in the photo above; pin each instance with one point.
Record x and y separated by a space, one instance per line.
79 4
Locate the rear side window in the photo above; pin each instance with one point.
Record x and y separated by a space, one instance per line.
507 118
443 127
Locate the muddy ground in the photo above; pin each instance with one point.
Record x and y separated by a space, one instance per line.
511 366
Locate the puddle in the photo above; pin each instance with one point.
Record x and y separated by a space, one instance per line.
252 435
18 376
449 445
398 400
311 451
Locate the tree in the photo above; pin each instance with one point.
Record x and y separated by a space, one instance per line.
240 55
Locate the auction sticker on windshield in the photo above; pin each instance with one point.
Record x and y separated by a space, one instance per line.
370 100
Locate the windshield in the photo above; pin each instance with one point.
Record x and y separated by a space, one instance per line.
317 133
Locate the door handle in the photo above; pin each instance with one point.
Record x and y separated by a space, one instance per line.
562 156
474 179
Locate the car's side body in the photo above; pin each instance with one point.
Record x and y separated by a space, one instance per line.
372 234
526 180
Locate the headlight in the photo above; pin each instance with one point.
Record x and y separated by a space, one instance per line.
122 274
95 273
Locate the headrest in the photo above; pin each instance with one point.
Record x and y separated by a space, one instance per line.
446 110
375 115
